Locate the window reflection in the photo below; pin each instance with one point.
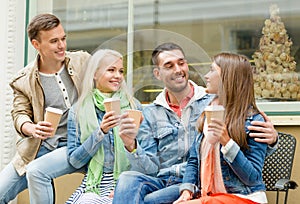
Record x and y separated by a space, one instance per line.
208 27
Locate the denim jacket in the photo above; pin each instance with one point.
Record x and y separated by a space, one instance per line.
164 139
79 154
241 170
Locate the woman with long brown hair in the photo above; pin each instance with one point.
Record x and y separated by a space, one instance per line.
225 163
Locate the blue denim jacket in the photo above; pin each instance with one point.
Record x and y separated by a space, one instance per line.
80 154
164 139
241 170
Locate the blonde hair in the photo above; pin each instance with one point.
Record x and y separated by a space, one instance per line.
96 62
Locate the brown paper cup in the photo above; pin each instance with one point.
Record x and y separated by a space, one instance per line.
214 111
112 104
136 115
53 116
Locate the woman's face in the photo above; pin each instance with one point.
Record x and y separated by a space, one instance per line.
213 79
110 78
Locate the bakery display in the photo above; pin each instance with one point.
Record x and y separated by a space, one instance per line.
275 73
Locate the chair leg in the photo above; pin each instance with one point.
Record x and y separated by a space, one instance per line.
53 187
286 196
277 196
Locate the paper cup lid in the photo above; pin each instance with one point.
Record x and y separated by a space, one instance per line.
54 110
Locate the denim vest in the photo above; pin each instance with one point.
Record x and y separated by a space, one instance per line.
241 170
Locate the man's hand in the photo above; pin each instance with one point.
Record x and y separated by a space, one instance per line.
185 196
263 131
41 130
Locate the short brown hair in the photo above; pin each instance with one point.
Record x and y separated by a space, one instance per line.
164 47
41 22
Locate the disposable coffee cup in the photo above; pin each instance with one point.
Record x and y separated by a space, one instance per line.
53 116
214 111
136 115
112 104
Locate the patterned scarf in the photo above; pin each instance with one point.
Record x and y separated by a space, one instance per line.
89 123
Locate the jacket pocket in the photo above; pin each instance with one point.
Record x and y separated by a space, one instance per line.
163 132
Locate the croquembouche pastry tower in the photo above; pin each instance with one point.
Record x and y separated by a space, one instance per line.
275 76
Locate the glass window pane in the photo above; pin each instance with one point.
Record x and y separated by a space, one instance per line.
91 23
203 29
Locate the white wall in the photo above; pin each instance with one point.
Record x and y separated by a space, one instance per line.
12 24
12 49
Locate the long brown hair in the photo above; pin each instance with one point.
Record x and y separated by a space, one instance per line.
236 94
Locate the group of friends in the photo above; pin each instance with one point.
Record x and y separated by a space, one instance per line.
175 156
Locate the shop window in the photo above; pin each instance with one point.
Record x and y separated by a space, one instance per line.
234 26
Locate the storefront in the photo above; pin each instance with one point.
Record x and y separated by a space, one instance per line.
261 30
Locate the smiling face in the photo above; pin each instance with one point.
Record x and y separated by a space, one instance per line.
110 74
51 45
172 69
213 79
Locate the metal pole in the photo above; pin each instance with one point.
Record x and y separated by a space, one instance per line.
130 39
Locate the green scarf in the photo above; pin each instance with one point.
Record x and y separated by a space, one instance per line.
89 123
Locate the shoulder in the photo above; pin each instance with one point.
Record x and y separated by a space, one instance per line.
77 56
151 107
205 98
138 104
23 73
200 92
256 117
76 59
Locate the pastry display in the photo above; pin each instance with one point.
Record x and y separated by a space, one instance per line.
275 73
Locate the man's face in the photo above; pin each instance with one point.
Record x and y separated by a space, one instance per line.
172 70
52 44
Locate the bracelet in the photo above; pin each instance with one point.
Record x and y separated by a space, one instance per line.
133 151
133 144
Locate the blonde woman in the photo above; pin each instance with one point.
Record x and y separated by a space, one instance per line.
93 138
234 174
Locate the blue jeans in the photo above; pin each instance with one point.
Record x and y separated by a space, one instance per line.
137 188
39 174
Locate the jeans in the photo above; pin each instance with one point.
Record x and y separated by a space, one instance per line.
39 174
137 188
